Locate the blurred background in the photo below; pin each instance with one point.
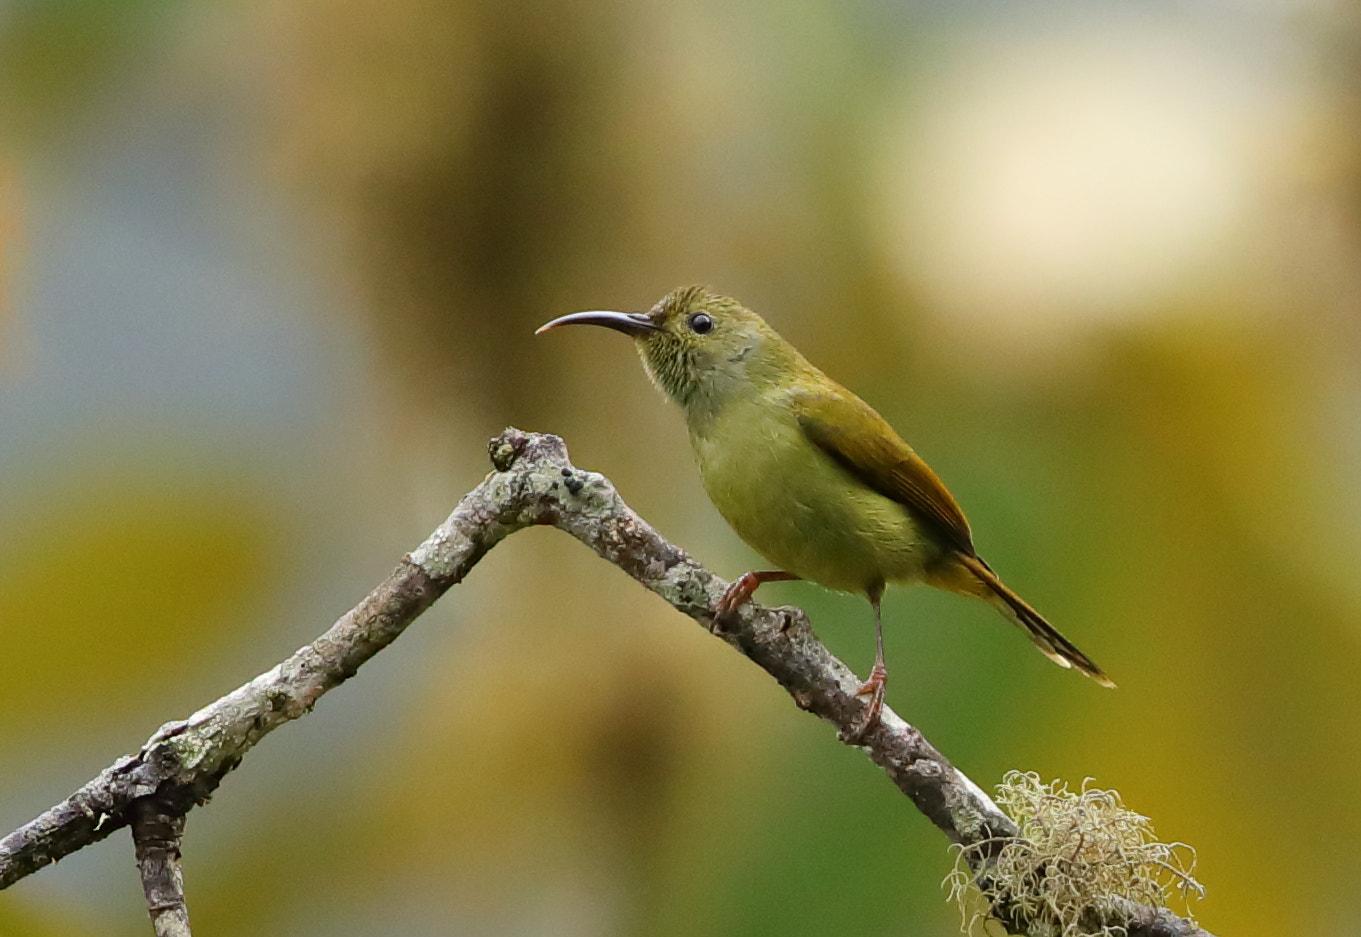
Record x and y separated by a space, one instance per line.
269 274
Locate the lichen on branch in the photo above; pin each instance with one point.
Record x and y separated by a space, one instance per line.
1080 861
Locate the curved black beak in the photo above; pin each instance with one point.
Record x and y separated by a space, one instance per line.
630 323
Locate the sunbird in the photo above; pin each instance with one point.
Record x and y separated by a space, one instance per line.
808 474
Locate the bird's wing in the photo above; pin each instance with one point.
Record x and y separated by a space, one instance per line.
861 441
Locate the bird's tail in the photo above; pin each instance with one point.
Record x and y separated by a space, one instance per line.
1042 634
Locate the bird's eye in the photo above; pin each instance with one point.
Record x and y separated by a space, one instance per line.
701 323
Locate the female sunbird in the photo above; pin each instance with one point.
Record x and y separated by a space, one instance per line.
808 474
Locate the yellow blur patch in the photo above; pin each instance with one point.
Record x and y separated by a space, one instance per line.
111 595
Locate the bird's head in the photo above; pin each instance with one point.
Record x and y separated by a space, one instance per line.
697 346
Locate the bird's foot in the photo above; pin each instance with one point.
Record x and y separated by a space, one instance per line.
874 689
737 594
740 592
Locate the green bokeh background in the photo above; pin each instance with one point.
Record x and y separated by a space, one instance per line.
269 279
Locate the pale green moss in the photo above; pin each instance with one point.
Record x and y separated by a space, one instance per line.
1080 859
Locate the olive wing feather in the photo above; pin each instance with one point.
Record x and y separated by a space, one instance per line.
858 439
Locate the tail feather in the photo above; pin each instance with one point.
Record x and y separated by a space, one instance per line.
1042 634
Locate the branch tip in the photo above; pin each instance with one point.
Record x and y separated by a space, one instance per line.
506 447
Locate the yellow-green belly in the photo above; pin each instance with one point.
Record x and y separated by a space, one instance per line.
800 510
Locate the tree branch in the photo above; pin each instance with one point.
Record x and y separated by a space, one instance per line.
156 830
533 484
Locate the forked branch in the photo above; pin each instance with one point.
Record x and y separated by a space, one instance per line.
533 484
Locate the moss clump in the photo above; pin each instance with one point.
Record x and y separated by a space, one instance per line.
1080 860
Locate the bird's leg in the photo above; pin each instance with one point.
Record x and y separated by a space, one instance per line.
741 589
874 686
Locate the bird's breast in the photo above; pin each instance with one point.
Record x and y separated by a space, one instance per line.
792 504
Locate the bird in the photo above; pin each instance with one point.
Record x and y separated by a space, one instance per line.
809 475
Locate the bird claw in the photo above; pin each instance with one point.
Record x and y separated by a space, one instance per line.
737 594
740 592
734 597
874 689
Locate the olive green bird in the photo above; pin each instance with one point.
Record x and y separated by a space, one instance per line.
808 474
